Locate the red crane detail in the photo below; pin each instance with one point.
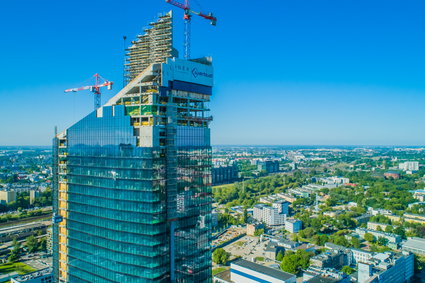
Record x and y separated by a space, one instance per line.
187 19
95 88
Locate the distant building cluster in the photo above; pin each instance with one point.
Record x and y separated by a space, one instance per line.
394 240
334 180
409 166
387 267
372 267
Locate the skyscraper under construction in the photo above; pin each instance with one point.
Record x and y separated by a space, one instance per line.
132 198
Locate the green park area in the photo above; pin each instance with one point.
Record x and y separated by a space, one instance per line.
19 267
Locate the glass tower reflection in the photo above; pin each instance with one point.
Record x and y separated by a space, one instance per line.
133 182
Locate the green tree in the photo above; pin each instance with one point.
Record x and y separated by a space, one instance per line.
16 250
382 241
320 239
400 231
220 256
31 244
294 262
369 237
279 256
389 229
341 241
419 263
245 216
347 270
259 232
289 264
43 244
355 242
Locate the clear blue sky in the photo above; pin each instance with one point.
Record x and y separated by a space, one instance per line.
287 72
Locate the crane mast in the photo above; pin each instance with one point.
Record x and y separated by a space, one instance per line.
187 22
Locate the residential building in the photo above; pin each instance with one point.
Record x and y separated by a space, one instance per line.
224 174
360 256
414 245
348 252
374 226
270 199
414 218
288 197
7 196
132 180
33 195
282 206
271 215
419 195
293 225
272 249
393 239
334 180
243 271
330 259
270 166
409 166
364 218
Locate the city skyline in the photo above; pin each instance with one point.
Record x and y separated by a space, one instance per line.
316 74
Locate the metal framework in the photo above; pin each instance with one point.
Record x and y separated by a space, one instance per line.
187 22
95 89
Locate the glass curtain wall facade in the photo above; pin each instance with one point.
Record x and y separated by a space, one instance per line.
132 198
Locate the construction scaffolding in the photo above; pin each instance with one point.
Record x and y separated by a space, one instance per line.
154 46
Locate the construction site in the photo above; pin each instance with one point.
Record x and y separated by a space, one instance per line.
140 165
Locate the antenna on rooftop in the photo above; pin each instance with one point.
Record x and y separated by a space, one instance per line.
123 70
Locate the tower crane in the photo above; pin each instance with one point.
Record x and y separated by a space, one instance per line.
187 19
94 88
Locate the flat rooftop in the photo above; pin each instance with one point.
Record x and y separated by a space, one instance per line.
275 273
417 243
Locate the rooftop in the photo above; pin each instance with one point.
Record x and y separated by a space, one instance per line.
224 275
34 275
322 280
417 243
275 273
